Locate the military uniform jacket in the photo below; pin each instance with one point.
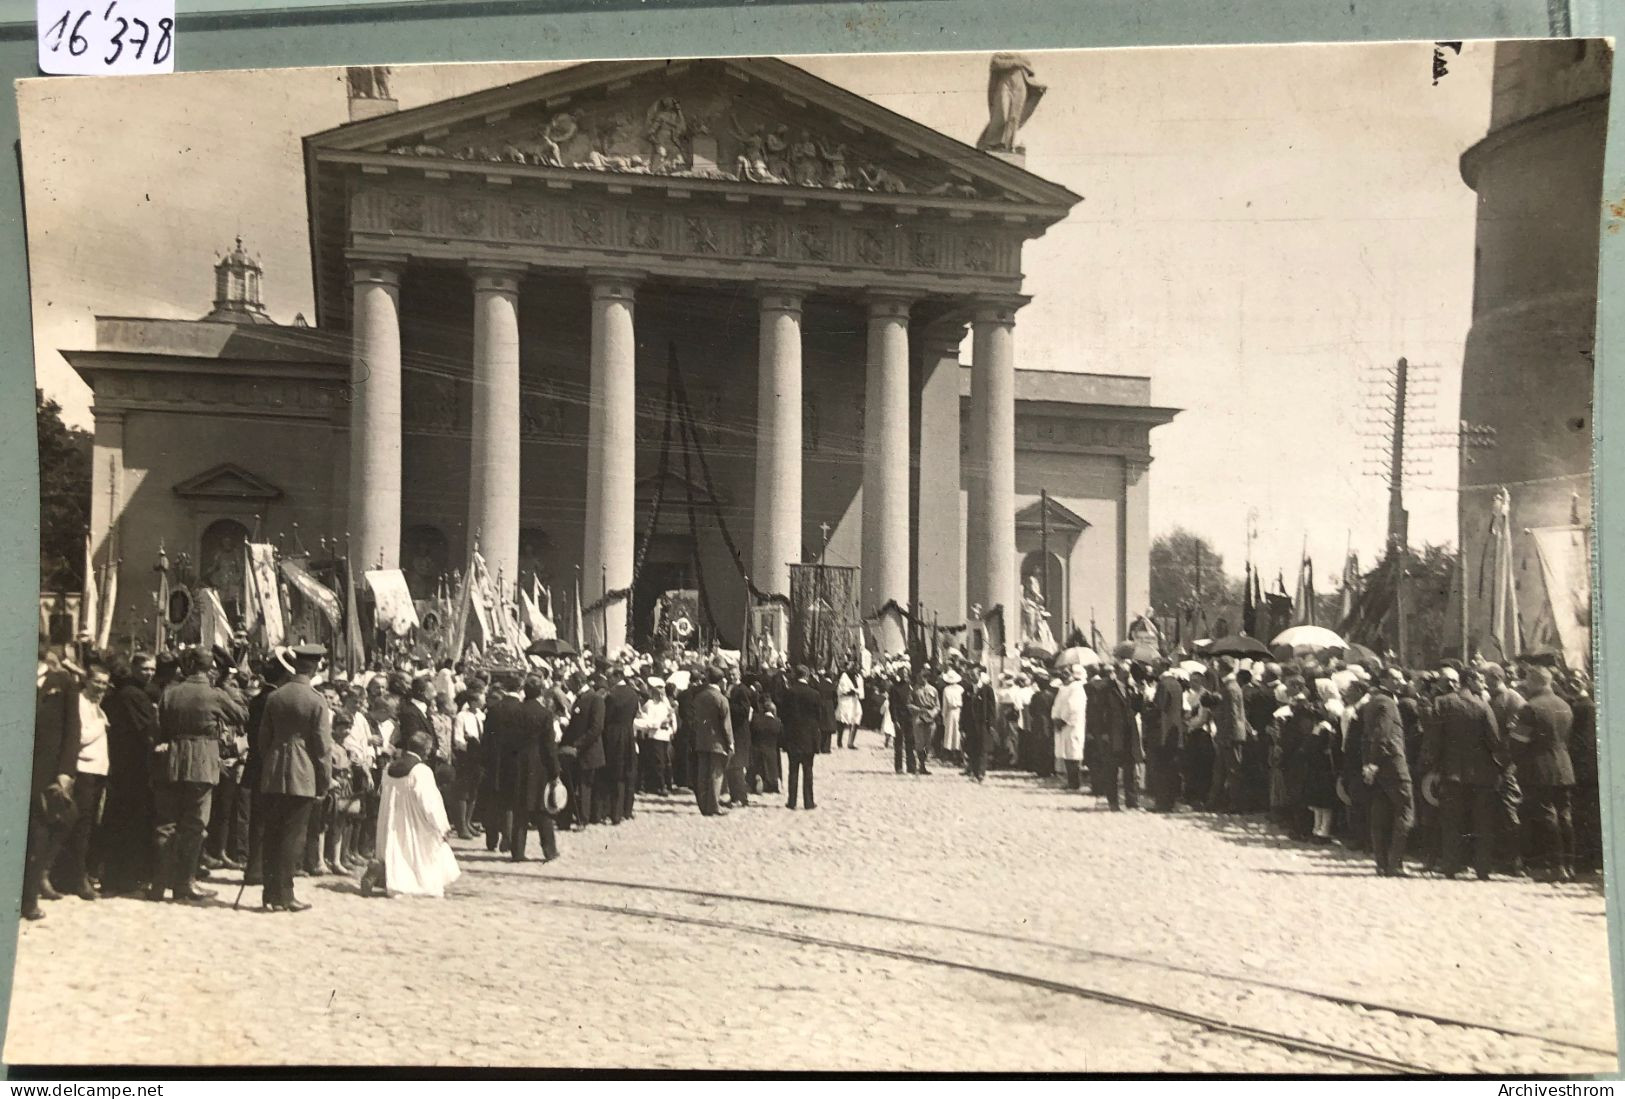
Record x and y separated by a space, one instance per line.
1465 746
191 717
296 732
1542 732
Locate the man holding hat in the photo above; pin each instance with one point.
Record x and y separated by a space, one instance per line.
1388 774
296 735
713 742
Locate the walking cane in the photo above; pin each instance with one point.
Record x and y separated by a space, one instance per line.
240 889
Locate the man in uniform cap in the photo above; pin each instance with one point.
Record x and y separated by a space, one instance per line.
190 717
296 736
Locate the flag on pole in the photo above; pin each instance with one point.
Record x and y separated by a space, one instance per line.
355 646
312 589
109 604
1304 599
1249 608
262 570
577 639
89 603
1351 586
214 627
539 625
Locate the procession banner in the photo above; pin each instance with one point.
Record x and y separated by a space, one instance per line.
392 601
540 626
1565 568
319 595
213 626
262 568
89 604
109 605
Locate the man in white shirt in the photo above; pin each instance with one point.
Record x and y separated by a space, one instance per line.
90 780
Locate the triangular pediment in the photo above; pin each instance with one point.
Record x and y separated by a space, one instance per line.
227 482
1046 512
754 121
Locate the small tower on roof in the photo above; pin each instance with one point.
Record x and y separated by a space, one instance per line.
237 278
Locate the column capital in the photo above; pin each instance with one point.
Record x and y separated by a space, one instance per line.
613 284
108 416
997 309
374 267
784 297
888 305
495 278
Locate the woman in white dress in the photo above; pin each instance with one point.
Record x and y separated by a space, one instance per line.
953 703
848 707
413 855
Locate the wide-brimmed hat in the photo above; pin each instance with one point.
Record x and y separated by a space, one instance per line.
555 799
951 677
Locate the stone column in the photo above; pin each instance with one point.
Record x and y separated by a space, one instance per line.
493 470
885 552
991 536
777 541
375 415
941 535
1134 534
606 564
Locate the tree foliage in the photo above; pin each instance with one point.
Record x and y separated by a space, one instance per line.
64 492
1175 573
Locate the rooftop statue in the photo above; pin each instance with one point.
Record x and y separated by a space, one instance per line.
1012 96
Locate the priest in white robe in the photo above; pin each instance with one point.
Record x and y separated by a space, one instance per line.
414 856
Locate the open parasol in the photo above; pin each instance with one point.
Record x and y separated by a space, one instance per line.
1359 654
1137 651
1306 639
1077 654
551 646
1239 644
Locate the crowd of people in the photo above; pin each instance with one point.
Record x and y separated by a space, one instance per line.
154 772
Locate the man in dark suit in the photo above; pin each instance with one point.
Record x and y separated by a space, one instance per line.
502 742
1467 754
619 776
803 734
980 721
296 734
190 718
765 732
585 737
828 698
712 744
56 752
1165 740
1120 746
535 763
1231 733
413 714
1540 736
740 705
132 723
1387 774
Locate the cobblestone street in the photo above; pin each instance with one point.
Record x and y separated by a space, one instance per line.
909 923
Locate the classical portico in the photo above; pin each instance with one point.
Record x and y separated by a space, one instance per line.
748 182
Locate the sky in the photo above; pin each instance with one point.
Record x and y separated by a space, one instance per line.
1261 229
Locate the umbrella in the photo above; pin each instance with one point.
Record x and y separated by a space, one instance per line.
1193 667
1301 639
1358 654
1077 654
551 646
1239 644
1137 651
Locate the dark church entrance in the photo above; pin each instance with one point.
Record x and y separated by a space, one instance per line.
669 567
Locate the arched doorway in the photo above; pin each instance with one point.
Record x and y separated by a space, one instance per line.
222 557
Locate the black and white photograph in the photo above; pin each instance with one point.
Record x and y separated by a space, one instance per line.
1069 561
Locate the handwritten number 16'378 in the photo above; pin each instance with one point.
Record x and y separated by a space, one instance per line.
131 33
